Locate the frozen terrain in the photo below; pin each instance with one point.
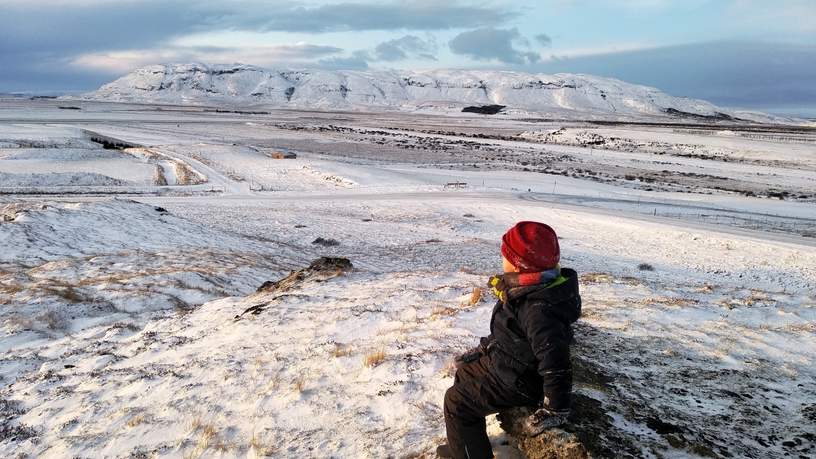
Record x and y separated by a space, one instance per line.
561 95
132 326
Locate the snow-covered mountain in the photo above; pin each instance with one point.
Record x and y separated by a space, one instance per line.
239 84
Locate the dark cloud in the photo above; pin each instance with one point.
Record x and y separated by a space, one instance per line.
405 47
408 46
543 39
36 73
738 74
489 43
341 17
88 27
38 39
139 24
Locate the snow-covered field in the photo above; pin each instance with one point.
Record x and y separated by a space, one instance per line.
30 160
132 326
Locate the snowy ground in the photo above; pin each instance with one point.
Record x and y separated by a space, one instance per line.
30 161
123 333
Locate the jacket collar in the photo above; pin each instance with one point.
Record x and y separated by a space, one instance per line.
505 285
563 297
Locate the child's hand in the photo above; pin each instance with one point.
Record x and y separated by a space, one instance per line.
469 356
474 354
542 420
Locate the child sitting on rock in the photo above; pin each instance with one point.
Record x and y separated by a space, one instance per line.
525 361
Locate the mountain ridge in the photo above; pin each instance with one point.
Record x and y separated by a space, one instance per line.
241 84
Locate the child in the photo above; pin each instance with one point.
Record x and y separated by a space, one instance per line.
526 359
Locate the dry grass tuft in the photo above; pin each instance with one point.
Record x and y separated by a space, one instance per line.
207 437
136 420
668 301
341 350
449 370
670 352
706 288
629 280
208 433
196 424
181 308
805 327
261 448
159 178
146 152
727 303
52 320
222 446
596 278
125 326
442 311
373 359
755 297
299 385
67 293
271 386
476 296
19 321
10 289
185 175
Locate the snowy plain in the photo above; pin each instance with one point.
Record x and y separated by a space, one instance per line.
123 325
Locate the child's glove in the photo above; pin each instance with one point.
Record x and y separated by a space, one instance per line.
498 286
544 419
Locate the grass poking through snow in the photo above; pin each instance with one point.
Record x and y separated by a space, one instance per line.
373 359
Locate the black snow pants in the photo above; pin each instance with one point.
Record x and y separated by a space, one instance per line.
476 393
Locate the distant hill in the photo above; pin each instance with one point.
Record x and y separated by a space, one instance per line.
246 85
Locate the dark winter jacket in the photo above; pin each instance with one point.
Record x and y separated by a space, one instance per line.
529 340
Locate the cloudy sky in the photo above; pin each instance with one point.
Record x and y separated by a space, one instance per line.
744 53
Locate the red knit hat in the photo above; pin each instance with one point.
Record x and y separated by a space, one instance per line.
531 247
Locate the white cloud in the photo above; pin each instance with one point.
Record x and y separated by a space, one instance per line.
634 5
125 61
764 15
569 53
